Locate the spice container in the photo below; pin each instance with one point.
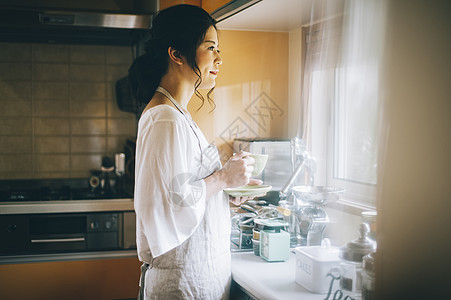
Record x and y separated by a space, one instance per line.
274 242
351 257
368 275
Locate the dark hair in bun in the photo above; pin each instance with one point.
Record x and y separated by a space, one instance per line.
182 27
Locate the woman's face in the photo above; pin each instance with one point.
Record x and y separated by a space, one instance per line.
208 59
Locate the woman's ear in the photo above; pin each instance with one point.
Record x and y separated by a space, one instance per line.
175 56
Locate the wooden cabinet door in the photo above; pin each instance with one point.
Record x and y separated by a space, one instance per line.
168 3
211 5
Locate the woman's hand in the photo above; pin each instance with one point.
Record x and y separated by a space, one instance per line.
237 170
240 200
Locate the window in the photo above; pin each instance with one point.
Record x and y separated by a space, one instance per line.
342 98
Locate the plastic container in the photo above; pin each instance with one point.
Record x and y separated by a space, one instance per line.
274 246
313 263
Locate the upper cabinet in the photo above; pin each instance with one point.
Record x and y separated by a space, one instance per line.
208 5
168 3
212 5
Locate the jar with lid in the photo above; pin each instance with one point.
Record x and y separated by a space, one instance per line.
351 257
368 275
369 217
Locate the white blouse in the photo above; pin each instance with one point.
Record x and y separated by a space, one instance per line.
172 157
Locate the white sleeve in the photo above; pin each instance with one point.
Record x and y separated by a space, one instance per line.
169 200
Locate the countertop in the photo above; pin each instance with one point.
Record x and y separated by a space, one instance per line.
66 206
269 280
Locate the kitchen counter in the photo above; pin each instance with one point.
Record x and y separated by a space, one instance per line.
269 280
66 206
59 257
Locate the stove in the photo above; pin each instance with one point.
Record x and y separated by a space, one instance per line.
56 190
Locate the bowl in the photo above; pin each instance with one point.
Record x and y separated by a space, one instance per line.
317 194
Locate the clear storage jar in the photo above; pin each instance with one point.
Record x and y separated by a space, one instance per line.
351 257
368 277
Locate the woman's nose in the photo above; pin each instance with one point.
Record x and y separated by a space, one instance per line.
218 59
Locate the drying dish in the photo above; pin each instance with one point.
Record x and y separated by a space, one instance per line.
248 190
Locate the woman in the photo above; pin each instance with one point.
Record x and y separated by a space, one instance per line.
183 219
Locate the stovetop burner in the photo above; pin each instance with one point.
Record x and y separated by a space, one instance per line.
48 190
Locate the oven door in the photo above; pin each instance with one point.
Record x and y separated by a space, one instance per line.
55 233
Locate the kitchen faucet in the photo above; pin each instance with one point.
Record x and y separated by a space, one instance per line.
306 163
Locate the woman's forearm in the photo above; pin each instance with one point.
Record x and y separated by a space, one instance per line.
215 183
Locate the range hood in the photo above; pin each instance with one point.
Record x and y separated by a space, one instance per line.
118 22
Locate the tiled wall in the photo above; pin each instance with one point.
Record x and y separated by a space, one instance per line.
58 111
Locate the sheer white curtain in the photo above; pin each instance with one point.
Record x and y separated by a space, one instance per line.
342 119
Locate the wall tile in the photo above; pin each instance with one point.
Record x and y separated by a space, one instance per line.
91 72
88 144
87 54
52 108
87 91
88 109
50 72
16 163
50 53
16 107
116 144
17 175
15 71
51 126
114 111
15 52
15 126
51 162
82 162
15 144
118 55
53 174
45 144
121 126
79 174
115 72
50 90
15 89
88 126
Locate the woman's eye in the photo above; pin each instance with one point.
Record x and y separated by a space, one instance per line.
211 48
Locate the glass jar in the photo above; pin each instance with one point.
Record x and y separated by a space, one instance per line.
368 277
369 217
351 257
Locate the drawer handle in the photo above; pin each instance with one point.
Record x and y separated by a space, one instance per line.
81 239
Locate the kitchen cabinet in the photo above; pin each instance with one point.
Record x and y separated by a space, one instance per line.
168 3
87 279
208 5
212 5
